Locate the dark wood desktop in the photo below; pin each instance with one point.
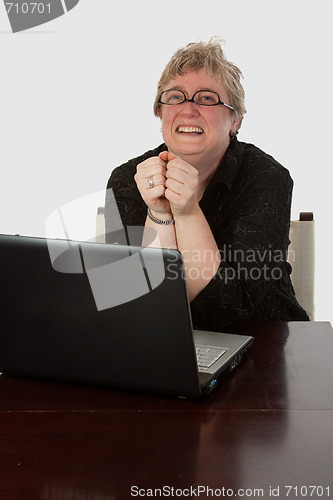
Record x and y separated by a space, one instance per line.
267 431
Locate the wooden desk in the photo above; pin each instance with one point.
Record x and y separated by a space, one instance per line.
269 426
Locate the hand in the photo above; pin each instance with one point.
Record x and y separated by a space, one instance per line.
153 197
182 182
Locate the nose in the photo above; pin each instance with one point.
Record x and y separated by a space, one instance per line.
190 108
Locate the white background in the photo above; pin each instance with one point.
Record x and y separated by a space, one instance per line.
64 123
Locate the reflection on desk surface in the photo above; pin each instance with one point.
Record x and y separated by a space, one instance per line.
269 425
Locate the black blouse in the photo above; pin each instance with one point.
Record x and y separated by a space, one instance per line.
247 205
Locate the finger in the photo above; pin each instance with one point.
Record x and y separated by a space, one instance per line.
178 165
153 170
142 176
167 156
157 179
172 197
164 155
151 194
175 186
184 173
147 184
177 174
171 156
156 193
153 164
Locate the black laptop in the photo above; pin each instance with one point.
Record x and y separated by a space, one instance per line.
106 315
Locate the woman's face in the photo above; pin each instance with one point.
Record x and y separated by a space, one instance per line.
212 124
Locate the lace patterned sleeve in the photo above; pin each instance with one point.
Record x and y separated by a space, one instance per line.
253 280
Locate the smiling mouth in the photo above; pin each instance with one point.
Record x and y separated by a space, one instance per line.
190 130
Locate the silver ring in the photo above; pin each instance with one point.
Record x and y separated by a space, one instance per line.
150 182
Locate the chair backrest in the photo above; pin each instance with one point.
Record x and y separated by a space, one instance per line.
100 225
301 255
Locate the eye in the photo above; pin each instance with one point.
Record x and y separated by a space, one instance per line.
172 97
175 97
207 98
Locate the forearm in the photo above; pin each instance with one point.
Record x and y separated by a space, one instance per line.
159 235
199 249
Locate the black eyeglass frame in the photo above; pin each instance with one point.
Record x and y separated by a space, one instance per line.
192 100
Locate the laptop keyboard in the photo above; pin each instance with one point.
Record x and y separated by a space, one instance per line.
206 356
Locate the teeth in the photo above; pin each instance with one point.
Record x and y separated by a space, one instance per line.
190 130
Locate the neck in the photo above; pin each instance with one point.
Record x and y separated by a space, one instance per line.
205 167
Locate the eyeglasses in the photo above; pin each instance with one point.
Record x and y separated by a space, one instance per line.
202 97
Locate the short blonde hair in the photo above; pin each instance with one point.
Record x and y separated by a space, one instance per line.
210 57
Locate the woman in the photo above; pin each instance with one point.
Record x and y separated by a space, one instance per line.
224 204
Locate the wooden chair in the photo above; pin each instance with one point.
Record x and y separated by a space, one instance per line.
301 256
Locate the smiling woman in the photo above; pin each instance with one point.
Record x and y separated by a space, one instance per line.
216 122
204 191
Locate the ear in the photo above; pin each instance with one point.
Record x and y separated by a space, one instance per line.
235 125
159 112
